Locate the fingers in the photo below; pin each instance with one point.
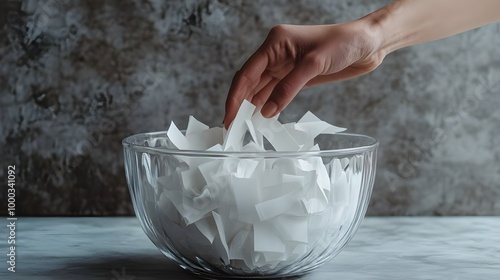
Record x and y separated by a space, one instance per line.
244 82
260 98
263 82
237 93
290 85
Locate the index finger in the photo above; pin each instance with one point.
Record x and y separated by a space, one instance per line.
244 82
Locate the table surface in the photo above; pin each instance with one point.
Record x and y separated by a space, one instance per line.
445 248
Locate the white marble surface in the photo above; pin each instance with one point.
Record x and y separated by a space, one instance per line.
445 248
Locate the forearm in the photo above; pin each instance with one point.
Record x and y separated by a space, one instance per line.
409 22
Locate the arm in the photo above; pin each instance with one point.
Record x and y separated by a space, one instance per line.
410 22
293 57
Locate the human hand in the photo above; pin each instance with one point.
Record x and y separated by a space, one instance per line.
293 57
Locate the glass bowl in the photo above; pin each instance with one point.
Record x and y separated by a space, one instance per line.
251 214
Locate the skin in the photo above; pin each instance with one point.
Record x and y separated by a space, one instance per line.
293 57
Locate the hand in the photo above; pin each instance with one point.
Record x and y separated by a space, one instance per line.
292 57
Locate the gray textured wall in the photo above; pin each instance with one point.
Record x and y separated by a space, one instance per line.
78 76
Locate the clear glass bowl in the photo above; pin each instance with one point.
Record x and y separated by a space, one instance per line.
213 230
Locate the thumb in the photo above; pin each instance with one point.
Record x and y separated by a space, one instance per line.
289 86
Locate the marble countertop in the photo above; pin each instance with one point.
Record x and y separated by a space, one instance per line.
445 248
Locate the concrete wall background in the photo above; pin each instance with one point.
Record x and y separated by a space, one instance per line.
78 76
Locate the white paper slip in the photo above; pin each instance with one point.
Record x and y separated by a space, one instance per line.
254 210
238 128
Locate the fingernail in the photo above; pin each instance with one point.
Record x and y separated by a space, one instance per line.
269 109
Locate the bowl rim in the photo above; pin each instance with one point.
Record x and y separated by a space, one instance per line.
127 144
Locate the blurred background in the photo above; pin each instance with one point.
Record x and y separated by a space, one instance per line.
76 77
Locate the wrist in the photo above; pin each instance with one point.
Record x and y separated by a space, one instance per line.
381 28
371 31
